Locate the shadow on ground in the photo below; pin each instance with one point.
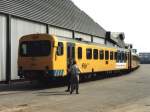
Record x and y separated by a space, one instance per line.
27 86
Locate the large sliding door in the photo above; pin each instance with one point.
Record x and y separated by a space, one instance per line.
2 48
83 36
98 40
19 28
60 32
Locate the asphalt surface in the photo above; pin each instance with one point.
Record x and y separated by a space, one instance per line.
127 93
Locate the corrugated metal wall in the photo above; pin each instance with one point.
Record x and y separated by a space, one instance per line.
19 28
62 13
60 32
98 40
83 36
2 48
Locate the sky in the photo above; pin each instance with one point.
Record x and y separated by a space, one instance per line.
129 16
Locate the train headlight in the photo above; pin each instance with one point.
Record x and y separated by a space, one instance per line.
47 68
20 72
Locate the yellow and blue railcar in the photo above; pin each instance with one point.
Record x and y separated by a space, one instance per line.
43 55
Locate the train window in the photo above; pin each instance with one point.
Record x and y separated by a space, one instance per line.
73 52
79 53
122 57
118 56
106 55
89 53
68 51
95 54
125 57
60 49
35 48
111 55
115 55
101 54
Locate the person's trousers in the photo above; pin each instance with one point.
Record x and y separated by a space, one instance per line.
68 82
74 84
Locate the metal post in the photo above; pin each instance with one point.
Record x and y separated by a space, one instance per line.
47 28
8 50
91 38
73 34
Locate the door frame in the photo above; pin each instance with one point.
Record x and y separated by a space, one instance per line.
70 53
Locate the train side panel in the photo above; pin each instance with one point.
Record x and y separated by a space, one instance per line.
90 57
59 67
94 63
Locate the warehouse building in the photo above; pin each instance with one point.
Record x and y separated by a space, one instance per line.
59 17
144 58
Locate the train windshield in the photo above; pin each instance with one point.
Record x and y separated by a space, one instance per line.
35 48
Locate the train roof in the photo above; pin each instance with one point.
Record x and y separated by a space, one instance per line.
88 42
60 38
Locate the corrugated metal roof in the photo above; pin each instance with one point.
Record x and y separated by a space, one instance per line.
61 13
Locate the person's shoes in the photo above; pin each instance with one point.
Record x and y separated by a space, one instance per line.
77 92
71 92
67 90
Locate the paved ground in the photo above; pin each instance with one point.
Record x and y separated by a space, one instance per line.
128 93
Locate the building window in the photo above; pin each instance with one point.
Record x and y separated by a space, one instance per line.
95 54
79 53
111 55
89 53
60 49
106 55
101 54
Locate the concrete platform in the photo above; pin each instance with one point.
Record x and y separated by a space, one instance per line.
128 93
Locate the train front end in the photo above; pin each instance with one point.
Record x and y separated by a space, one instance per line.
35 56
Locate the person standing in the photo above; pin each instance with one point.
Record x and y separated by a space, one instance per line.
74 77
68 77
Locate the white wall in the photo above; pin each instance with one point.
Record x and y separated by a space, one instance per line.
98 40
2 48
60 32
83 36
18 29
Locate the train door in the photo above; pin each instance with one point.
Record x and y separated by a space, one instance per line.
129 60
107 59
70 53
